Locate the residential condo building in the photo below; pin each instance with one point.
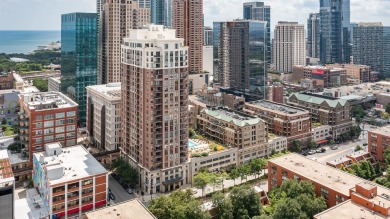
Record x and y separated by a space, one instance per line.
117 18
155 107
79 58
45 118
313 35
104 108
208 36
289 46
161 12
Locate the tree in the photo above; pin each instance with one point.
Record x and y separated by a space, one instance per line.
296 146
385 115
386 156
127 174
256 166
234 174
387 108
4 121
358 112
245 201
311 207
331 141
41 84
214 179
201 180
358 148
223 206
244 171
192 210
289 208
312 144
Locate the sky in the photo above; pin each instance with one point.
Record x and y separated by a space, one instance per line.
46 14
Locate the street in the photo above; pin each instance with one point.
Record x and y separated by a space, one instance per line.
120 194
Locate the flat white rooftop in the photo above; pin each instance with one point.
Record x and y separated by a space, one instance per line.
348 210
31 207
127 210
109 91
73 163
47 100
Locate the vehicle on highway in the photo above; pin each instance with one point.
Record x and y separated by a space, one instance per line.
312 152
334 148
130 191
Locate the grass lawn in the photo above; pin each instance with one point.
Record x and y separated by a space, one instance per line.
8 131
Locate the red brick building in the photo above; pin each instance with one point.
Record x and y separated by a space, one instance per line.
6 81
378 142
46 117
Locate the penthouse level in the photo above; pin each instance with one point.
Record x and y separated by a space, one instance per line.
283 120
334 185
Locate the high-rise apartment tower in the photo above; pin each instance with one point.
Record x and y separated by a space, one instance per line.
313 35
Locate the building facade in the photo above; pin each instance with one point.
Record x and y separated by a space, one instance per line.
240 55
313 35
208 36
45 118
320 76
79 54
368 45
54 84
283 120
275 93
7 187
289 46
325 110
354 71
187 20
104 108
70 180
235 130
6 80
117 18
155 107
261 12
161 12
378 142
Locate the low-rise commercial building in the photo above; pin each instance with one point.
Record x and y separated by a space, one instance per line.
7 187
235 130
354 157
325 110
284 120
359 72
70 180
322 77
379 142
54 84
321 134
104 115
197 81
276 144
46 117
6 80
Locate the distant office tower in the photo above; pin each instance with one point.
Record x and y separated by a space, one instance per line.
118 17
155 113
188 23
386 52
144 3
261 12
208 36
368 45
313 35
79 57
289 46
161 12
240 55
346 25
331 25
99 6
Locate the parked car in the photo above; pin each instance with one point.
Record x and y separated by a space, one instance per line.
365 144
334 148
320 150
312 152
130 191
112 196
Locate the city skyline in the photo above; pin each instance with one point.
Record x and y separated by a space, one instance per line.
14 13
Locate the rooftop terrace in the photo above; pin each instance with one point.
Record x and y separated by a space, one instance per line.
382 131
133 209
111 90
228 115
47 100
278 107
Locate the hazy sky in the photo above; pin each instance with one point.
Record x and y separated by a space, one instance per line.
46 14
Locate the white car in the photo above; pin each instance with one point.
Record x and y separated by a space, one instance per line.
312 152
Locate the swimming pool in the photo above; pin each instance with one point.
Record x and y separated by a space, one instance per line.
192 144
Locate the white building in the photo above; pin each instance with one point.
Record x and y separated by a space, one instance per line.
208 60
54 84
289 46
277 144
104 115
321 134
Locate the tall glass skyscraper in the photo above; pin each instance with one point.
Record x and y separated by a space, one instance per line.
78 57
261 12
161 12
386 52
240 55
335 31
313 35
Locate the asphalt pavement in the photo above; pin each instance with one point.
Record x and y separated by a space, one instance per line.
119 192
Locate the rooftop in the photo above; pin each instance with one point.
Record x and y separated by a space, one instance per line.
350 210
318 99
47 100
333 178
278 107
382 131
111 90
228 115
6 173
133 209
66 164
56 79
31 207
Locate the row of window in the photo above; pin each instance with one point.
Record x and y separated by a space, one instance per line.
57 115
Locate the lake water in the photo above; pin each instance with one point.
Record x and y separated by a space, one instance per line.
25 41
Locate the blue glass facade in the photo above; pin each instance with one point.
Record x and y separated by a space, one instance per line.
386 52
161 12
240 55
78 57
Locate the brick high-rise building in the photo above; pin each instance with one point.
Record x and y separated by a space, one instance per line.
117 18
155 107
187 19
289 46
378 142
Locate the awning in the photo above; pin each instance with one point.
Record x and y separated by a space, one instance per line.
322 141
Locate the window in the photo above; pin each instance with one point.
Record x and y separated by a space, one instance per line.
49 131
49 138
60 115
60 122
49 116
38 132
70 121
70 128
87 182
73 185
70 135
87 199
49 124
60 137
60 129
58 189
38 140
58 207
71 142
70 114
324 193
38 125
87 190
38 118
